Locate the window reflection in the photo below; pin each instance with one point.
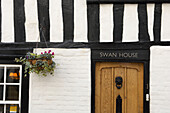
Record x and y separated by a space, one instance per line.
13 75
1 108
12 92
1 93
1 74
12 108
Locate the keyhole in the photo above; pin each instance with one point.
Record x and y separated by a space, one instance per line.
118 104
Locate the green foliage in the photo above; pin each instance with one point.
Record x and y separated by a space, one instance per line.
40 64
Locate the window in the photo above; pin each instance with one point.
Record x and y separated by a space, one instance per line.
10 88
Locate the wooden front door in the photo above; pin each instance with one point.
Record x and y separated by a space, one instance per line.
119 87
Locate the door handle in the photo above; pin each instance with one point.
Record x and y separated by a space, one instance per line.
119 81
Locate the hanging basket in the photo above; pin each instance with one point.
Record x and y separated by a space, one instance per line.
41 64
49 61
33 62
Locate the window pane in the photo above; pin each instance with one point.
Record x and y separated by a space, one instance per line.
13 75
1 93
12 108
1 74
12 92
1 108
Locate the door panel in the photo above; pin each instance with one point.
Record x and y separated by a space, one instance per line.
119 72
106 86
131 91
109 98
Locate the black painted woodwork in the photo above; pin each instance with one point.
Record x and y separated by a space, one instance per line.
118 104
25 93
118 12
118 46
99 54
93 22
68 18
0 20
30 45
19 21
143 23
93 14
44 22
146 85
157 22
128 1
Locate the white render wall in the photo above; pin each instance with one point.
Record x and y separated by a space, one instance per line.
160 79
69 90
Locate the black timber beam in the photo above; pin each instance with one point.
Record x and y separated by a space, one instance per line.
20 48
127 1
28 46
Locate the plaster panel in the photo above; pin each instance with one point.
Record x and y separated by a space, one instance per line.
69 90
80 21
106 23
160 79
165 31
150 11
56 21
7 7
31 25
130 23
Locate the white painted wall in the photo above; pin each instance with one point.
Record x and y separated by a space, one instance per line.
106 23
80 21
69 90
7 32
130 23
160 79
31 24
165 31
56 21
150 13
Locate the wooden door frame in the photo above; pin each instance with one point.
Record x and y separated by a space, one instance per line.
146 106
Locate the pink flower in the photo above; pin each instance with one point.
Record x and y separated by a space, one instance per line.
49 51
45 51
41 52
52 53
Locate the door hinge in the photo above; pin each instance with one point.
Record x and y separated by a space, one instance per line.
147 97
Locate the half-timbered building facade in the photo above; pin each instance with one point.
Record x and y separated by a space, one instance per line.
113 56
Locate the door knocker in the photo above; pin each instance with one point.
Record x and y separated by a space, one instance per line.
118 81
